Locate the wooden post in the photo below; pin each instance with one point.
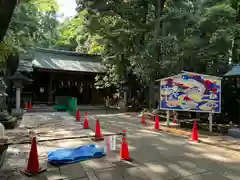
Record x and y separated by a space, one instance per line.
50 96
168 118
175 116
18 99
210 118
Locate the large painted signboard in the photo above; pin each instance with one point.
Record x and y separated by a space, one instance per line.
191 92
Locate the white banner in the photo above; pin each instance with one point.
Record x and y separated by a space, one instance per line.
109 143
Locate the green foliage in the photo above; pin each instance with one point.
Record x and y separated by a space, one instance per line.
194 35
139 40
33 24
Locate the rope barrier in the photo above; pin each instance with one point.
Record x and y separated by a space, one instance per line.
190 121
57 139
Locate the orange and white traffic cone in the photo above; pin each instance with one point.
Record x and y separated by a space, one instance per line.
33 167
156 124
124 153
26 105
142 121
98 134
174 121
85 122
77 115
30 105
194 136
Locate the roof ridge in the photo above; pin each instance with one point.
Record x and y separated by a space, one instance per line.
71 53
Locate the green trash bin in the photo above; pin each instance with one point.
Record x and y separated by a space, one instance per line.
61 103
72 104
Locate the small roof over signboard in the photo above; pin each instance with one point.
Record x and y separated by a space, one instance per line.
192 73
235 71
62 60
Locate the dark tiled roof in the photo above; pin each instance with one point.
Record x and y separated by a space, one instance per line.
235 71
62 60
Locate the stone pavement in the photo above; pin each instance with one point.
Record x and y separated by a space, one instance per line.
47 126
162 156
156 155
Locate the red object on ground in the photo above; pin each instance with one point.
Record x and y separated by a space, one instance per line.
142 119
30 105
77 115
25 106
85 122
156 124
124 153
194 132
98 134
33 168
174 121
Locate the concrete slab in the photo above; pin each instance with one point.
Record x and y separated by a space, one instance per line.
156 155
121 173
53 173
163 156
96 164
72 171
109 174
91 175
134 173
204 176
47 126
159 171
16 175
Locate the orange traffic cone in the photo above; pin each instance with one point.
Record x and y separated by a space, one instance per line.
30 105
77 115
25 105
194 132
124 153
85 123
33 168
142 119
98 135
174 121
156 124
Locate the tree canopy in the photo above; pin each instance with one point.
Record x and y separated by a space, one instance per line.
33 23
139 40
147 39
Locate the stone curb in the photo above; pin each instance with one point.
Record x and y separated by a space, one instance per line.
2 156
188 134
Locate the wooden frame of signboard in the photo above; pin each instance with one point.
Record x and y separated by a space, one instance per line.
191 92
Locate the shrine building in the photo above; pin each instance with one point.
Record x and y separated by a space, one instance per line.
60 73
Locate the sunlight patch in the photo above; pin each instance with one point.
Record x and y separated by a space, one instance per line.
216 157
153 133
179 170
173 141
197 149
157 168
161 148
191 155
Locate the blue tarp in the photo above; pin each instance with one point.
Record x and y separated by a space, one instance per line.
72 155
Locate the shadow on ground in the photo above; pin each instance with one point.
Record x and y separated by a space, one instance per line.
156 156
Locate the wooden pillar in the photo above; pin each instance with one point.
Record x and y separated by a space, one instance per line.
18 99
50 97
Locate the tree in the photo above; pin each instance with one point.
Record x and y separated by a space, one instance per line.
6 11
145 40
33 23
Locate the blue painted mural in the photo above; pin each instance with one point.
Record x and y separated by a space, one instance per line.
191 92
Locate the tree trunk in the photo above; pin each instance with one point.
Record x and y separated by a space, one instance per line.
12 65
151 94
236 41
6 12
157 53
